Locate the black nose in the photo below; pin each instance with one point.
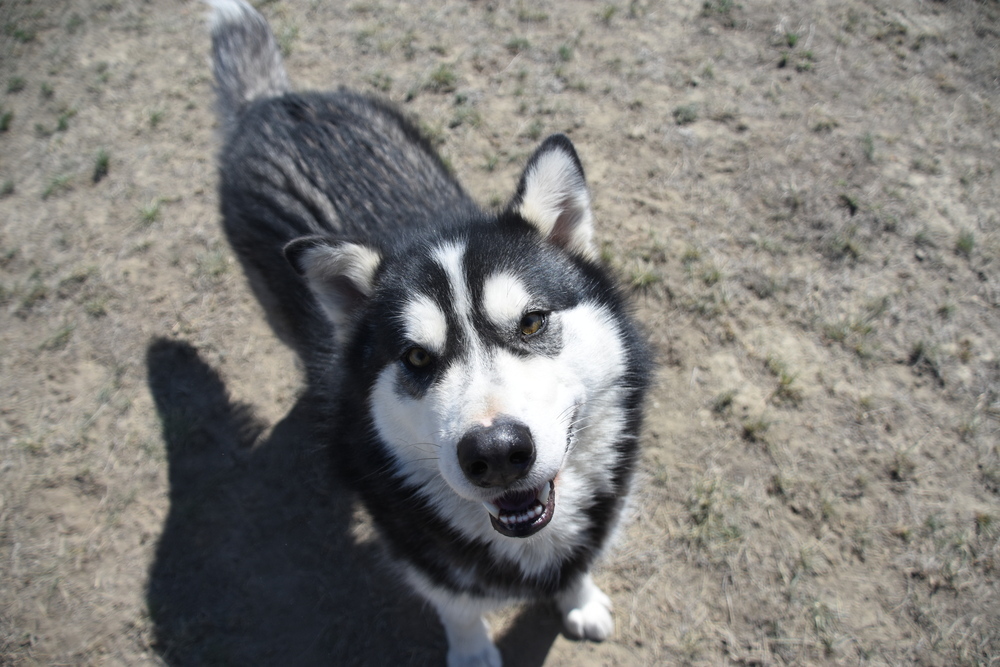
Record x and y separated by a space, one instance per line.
496 455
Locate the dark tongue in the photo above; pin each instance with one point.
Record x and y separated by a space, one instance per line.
516 501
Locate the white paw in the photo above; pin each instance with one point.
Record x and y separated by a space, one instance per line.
586 611
591 621
487 656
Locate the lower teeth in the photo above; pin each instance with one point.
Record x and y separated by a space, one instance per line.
531 514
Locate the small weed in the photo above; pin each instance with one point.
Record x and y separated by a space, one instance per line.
707 508
849 202
690 255
286 38
57 184
607 14
150 213
74 23
964 352
156 117
924 358
754 430
986 524
433 133
825 125
565 53
518 45
63 123
96 307
791 39
902 467
23 35
966 243
526 15
720 8
930 166
7 189
16 84
491 161
534 130
101 165
213 264
845 244
643 278
380 81
59 339
46 90
36 293
711 275
686 114
5 118
967 428
724 401
442 79
786 391
465 116
868 146
902 532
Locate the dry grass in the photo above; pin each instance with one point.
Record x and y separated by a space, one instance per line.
803 201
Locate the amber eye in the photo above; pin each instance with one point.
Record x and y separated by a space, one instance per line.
532 323
417 357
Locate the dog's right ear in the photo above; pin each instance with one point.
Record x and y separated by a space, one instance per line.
341 275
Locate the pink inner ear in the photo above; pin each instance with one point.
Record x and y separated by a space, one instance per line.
566 223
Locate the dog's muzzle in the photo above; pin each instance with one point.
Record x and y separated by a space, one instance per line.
497 456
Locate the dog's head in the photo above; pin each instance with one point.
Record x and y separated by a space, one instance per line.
494 351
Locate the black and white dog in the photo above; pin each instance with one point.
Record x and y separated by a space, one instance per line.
481 376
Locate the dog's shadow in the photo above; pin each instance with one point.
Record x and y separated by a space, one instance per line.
257 564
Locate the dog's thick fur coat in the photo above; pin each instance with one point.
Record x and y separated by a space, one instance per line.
481 377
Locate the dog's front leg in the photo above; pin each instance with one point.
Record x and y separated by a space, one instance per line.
468 633
586 610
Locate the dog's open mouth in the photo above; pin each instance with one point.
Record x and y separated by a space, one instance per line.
522 513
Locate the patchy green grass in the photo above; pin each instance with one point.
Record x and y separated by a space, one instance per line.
57 184
442 79
59 339
966 243
150 213
102 163
685 114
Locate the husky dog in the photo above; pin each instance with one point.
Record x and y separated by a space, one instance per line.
481 379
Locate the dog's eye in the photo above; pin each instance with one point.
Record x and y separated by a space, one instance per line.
417 358
532 323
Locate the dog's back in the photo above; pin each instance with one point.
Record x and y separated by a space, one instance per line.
283 165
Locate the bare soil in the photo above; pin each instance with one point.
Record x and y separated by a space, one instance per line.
802 197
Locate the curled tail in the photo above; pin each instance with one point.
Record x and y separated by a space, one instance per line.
246 59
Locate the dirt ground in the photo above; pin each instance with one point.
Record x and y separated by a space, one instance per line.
801 196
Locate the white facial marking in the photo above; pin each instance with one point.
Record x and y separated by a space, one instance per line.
505 299
449 257
425 324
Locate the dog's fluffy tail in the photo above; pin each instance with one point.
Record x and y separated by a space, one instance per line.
246 59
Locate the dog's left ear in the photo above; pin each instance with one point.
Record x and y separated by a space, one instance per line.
341 275
553 197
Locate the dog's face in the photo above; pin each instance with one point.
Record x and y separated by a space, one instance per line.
493 355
